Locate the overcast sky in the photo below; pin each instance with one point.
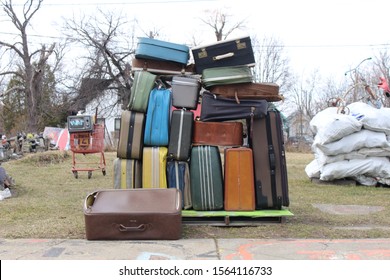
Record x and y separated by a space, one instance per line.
329 35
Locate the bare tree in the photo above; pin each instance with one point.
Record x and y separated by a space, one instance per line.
32 64
106 60
272 64
218 20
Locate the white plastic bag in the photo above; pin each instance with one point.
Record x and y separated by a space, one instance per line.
358 140
374 167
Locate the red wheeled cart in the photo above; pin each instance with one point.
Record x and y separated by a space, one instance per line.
88 142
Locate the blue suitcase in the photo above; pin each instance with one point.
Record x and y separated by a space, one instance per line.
148 48
178 176
158 118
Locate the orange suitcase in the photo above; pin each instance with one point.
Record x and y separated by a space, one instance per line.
239 188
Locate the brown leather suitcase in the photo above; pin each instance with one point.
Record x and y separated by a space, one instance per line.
161 67
133 214
239 186
218 133
266 91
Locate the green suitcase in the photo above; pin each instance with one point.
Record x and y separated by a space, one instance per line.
206 178
226 75
140 90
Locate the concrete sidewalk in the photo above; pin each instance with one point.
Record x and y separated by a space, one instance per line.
196 249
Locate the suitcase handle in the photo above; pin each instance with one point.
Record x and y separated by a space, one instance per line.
141 227
223 56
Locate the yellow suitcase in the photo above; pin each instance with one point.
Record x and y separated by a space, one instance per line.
154 167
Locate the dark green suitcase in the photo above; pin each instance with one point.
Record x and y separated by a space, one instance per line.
206 178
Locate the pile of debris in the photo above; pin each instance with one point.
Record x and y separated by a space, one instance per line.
352 146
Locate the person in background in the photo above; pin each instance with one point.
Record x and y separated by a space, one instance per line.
6 181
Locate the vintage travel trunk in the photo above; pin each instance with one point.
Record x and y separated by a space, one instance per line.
185 92
158 118
180 136
178 175
154 164
127 173
206 178
150 48
239 186
218 108
131 135
135 214
224 53
266 140
218 133
266 91
140 90
226 76
161 67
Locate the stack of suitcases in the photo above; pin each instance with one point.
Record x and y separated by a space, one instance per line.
205 129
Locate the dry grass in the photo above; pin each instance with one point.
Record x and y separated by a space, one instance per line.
48 203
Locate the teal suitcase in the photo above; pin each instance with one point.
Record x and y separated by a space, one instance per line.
150 48
206 178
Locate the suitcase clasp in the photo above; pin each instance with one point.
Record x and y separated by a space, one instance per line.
202 53
240 45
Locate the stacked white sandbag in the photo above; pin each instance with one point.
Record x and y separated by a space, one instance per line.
354 145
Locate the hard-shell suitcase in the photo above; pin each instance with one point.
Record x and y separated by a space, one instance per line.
224 53
135 214
266 140
127 173
131 134
226 76
180 136
218 108
185 92
158 118
154 164
178 176
150 48
239 186
140 90
218 133
266 91
206 178
161 67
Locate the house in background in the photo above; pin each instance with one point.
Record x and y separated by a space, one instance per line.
96 99
299 125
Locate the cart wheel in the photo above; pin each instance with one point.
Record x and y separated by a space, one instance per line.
104 172
76 175
89 174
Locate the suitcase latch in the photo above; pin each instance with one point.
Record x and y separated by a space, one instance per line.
240 45
202 53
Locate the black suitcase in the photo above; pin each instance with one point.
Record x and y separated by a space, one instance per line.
224 53
180 136
267 142
218 108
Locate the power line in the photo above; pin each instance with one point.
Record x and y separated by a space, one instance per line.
121 3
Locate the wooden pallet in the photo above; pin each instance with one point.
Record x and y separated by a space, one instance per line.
234 218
